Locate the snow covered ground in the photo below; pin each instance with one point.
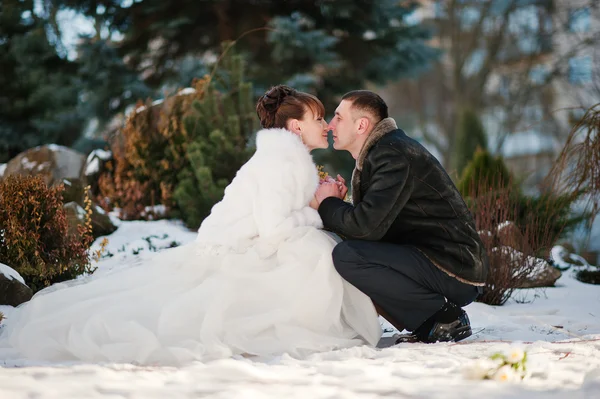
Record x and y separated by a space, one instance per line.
559 327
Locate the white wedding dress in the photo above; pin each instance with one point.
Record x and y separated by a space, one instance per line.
258 280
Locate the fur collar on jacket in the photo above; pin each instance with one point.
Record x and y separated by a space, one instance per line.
381 129
281 140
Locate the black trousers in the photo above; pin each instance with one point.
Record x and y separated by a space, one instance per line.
400 280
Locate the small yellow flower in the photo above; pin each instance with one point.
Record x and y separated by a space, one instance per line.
514 355
505 374
322 174
481 369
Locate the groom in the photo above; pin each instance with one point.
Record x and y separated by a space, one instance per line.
411 243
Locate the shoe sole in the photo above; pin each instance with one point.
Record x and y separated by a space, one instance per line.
462 333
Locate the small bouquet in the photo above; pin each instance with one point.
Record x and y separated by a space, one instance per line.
323 176
508 366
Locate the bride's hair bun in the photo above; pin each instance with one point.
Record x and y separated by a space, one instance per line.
282 103
270 102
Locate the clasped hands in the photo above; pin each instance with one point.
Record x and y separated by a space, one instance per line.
329 187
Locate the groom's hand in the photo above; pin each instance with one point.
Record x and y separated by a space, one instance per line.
342 186
327 189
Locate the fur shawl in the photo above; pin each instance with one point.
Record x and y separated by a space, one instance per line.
267 199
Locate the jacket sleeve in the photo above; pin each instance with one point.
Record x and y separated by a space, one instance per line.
388 192
279 204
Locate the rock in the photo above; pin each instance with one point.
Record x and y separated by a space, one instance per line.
74 192
510 235
542 275
101 223
95 164
13 290
52 162
75 216
589 276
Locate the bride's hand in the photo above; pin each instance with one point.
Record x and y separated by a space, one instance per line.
328 179
314 203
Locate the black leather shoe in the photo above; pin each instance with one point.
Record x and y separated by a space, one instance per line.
449 324
454 331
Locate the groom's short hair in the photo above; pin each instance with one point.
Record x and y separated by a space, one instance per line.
366 100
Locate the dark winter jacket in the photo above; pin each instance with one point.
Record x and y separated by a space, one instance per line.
401 194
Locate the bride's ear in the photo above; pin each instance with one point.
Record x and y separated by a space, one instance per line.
294 126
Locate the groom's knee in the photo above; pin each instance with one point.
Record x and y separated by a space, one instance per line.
345 258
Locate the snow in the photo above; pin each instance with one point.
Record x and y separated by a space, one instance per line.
98 153
27 164
42 166
10 273
158 210
92 167
93 161
56 147
187 90
134 241
182 92
2 169
559 327
558 254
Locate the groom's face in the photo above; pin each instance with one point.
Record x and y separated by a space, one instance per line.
343 126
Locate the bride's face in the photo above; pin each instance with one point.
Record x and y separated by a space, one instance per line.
313 129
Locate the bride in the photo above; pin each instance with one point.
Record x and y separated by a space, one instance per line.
258 280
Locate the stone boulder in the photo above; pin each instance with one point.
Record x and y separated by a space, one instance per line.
13 290
590 275
73 198
542 275
52 162
96 164
510 235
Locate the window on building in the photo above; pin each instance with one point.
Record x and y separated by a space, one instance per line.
580 69
579 20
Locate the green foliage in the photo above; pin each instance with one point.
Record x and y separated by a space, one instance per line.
549 215
183 152
34 237
322 46
39 88
484 170
218 127
107 83
470 136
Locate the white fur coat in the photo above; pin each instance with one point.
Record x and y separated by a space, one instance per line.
267 199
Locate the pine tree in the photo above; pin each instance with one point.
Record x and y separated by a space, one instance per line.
39 88
326 47
107 83
219 128
548 216
183 151
470 136
484 172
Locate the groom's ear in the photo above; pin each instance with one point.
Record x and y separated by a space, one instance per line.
363 125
